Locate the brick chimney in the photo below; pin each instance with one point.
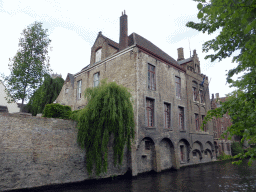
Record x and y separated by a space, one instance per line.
180 54
123 40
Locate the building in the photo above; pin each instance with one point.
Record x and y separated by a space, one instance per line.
220 125
171 98
4 105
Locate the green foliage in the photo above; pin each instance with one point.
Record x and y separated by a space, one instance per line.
223 156
29 65
237 25
108 114
75 115
236 148
56 110
45 94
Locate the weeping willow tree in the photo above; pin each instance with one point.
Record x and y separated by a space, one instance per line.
109 113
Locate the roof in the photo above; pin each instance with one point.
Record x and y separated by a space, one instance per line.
110 42
135 39
184 61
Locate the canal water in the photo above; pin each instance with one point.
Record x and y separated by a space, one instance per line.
218 176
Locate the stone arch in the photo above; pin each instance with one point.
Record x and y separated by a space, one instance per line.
207 155
209 145
198 145
196 156
167 154
183 151
146 155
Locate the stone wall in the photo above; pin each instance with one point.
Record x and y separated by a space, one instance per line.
43 151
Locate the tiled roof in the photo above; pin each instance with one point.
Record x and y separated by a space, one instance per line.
111 42
135 39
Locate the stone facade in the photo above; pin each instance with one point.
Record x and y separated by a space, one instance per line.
155 147
43 151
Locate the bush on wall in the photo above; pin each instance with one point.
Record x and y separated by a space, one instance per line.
56 110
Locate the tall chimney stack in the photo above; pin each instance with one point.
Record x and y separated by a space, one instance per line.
123 40
180 54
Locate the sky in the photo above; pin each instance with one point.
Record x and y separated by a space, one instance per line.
74 25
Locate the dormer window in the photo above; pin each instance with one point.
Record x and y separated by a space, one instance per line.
98 55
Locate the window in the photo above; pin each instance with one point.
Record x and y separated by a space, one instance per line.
79 89
98 55
201 96
151 77
178 87
66 90
150 112
182 154
197 121
181 118
202 122
167 116
96 78
194 90
194 153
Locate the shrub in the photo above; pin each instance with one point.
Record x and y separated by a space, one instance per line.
75 115
236 148
223 156
56 110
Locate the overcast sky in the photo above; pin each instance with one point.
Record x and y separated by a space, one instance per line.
74 25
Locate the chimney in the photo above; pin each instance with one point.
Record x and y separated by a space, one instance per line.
217 95
180 54
212 96
123 40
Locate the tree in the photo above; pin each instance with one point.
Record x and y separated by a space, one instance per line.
29 65
45 94
108 114
236 20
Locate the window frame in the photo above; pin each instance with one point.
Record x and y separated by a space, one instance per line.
201 96
99 50
150 108
178 87
97 80
197 122
151 77
181 115
79 89
167 125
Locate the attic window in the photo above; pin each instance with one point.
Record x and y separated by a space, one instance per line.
98 55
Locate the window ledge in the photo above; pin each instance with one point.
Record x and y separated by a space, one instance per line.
150 128
182 162
182 130
166 129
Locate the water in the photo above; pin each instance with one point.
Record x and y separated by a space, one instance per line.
218 176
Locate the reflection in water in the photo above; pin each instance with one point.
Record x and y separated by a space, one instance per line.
221 176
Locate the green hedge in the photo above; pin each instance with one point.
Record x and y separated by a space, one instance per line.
56 110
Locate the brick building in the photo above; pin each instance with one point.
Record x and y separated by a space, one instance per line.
171 98
220 125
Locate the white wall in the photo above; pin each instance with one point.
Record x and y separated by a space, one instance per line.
12 107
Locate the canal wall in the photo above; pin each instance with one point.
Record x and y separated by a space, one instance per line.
43 151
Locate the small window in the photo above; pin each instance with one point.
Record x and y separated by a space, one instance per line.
205 129
167 115
178 87
151 77
79 89
197 121
201 96
181 118
66 90
194 153
205 152
96 78
150 112
98 55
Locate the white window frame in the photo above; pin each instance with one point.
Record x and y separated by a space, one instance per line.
79 89
96 79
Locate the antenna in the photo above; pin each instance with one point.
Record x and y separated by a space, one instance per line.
189 47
